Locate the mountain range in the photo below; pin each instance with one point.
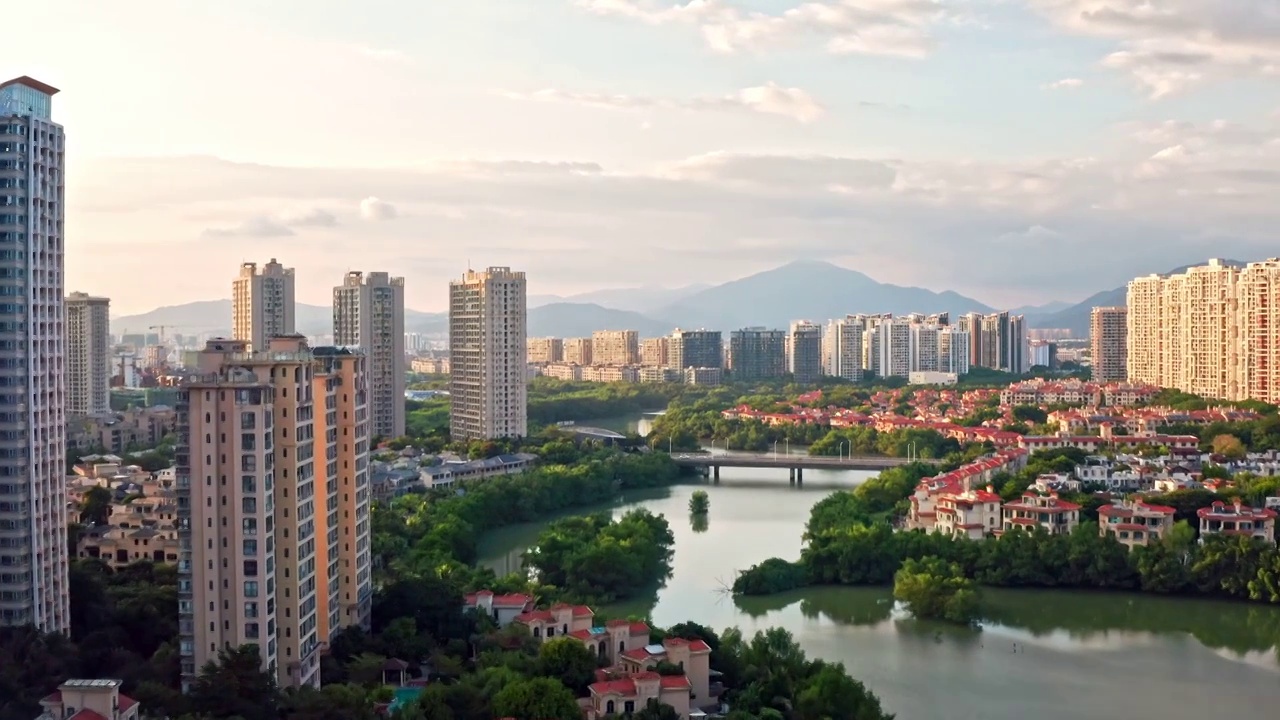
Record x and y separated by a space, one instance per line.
811 290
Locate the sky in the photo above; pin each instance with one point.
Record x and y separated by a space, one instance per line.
1016 151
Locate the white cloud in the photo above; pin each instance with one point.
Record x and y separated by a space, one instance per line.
1172 45
311 217
390 55
1064 84
277 225
371 208
696 216
258 226
768 99
871 27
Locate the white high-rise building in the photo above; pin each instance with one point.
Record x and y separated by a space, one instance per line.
488 330
33 489
262 303
368 311
842 348
88 355
953 350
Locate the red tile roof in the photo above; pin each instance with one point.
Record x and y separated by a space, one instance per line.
87 714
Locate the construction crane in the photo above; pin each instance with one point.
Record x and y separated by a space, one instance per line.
161 328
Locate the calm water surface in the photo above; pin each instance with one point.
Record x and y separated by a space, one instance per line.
1081 655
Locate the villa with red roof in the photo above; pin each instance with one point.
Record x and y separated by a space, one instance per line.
560 619
629 694
1135 523
1056 516
502 608
930 491
89 700
692 656
1237 519
616 638
970 514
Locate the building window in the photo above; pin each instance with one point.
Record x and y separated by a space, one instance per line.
251 588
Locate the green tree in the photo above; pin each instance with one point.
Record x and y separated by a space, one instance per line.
95 508
830 694
235 686
1229 446
331 702
699 502
654 710
935 589
537 699
569 661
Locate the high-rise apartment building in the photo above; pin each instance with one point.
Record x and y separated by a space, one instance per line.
578 351
368 312
615 347
262 303
1259 322
488 327
33 400
695 349
1108 341
1209 331
757 353
997 341
842 348
1043 353
953 350
654 351
545 350
804 352
88 355
273 504
888 346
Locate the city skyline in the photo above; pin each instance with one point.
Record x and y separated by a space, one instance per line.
1012 143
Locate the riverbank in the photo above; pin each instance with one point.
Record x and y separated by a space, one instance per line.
1085 653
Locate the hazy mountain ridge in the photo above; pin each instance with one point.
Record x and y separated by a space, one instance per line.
1077 318
812 290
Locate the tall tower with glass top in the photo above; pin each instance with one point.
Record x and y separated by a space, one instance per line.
33 513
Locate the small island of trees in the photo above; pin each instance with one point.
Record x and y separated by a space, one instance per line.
699 502
934 589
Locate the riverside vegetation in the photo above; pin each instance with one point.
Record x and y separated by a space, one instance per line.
424 549
850 541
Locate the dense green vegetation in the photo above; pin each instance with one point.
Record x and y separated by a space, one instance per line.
934 589
1179 400
699 502
687 427
595 559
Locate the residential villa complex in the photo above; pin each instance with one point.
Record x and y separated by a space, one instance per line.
629 679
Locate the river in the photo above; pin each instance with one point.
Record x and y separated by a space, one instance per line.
1080 655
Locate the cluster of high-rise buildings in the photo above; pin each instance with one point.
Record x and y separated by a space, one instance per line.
853 347
1213 330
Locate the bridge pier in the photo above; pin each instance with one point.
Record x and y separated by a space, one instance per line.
799 476
715 470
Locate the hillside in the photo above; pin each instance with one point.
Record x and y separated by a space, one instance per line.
1077 317
638 299
806 290
557 319
581 319
214 316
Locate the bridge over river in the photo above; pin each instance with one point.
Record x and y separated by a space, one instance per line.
796 464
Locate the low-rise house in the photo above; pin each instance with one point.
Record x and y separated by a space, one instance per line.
560 619
1237 519
504 609
614 639
611 698
1056 516
970 514
1135 523
1056 482
89 700
692 656
923 513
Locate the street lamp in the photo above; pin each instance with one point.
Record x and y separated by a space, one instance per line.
669 437
775 449
843 444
